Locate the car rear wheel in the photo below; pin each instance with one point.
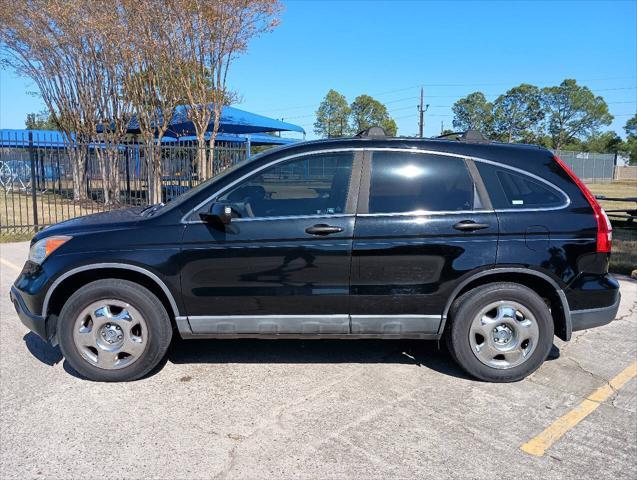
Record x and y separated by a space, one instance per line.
501 332
113 330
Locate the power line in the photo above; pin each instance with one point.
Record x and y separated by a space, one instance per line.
490 95
468 85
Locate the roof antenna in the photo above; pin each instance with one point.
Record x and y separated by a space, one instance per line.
372 132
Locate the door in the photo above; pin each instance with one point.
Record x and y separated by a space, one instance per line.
424 221
283 265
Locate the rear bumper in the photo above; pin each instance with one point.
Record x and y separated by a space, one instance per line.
35 323
594 317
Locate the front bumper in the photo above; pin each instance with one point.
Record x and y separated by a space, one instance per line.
35 323
594 317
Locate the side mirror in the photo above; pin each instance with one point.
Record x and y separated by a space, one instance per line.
219 214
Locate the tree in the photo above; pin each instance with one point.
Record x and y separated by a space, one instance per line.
473 113
47 41
631 126
631 140
332 116
151 79
368 112
42 120
213 34
607 142
517 113
573 112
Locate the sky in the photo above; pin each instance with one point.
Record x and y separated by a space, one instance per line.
389 49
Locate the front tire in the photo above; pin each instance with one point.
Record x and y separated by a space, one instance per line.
501 332
113 330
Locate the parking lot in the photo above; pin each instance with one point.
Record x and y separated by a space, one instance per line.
318 409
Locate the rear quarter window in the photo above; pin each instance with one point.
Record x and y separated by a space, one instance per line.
514 190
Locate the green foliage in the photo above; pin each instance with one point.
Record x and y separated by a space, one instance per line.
607 142
332 116
369 112
573 112
517 113
40 121
630 146
473 113
335 118
566 116
631 126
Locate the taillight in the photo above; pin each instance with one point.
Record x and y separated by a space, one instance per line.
604 228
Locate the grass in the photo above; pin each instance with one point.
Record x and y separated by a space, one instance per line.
16 212
624 257
617 190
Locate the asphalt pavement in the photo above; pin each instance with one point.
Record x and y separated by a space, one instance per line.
318 409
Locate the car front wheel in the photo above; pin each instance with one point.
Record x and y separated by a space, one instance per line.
501 332
113 330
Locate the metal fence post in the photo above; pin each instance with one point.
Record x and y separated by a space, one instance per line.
127 159
34 201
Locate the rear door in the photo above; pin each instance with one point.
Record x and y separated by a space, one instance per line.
424 221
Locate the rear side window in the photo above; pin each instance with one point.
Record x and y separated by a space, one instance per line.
512 190
409 182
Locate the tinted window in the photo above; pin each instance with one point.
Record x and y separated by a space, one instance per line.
407 182
509 189
313 185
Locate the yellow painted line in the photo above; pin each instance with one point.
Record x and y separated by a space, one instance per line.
9 264
539 444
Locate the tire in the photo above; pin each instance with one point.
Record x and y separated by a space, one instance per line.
500 332
113 330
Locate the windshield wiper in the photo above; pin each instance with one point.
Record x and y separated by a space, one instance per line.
150 209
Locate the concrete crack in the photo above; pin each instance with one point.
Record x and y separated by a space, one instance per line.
594 375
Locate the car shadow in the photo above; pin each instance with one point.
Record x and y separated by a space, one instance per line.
42 350
427 354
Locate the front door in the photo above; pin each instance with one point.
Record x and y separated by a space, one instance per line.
283 265
424 222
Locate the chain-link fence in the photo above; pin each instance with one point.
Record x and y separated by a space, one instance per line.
590 167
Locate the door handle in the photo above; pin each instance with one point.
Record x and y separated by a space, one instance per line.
470 225
323 229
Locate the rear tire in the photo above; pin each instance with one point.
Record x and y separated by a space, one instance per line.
500 332
113 330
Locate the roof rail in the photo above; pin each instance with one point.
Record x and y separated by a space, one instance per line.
372 132
451 134
474 136
471 136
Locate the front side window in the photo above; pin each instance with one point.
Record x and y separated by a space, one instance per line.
512 190
410 182
311 185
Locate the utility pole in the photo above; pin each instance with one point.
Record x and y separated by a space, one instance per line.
422 108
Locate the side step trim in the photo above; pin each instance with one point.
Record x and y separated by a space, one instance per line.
310 326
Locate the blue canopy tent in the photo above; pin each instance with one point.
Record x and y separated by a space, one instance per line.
256 139
233 120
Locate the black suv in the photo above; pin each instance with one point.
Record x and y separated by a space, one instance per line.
493 247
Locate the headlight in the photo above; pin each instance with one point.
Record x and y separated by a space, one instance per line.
45 247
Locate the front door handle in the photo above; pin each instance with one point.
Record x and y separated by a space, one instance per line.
323 229
470 225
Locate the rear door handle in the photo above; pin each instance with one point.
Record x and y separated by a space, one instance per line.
323 229
470 225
